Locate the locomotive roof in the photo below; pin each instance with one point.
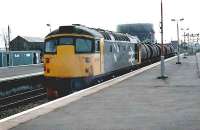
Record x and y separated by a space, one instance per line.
76 29
94 32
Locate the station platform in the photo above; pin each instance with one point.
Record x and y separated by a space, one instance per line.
140 102
17 72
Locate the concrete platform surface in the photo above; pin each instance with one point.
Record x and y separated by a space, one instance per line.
142 102
9 73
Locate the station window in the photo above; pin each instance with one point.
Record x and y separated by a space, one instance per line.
28 55
16 55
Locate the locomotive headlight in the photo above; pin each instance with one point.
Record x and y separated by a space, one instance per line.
47 60
45 68
48 70
87 70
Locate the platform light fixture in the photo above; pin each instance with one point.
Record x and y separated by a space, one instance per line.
49 25
178 40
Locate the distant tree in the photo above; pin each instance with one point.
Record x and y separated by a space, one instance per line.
5 40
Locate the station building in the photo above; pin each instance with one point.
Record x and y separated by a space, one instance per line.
23 50
24 43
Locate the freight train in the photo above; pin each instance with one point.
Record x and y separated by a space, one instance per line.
77 56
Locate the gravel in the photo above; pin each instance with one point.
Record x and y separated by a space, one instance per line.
12 111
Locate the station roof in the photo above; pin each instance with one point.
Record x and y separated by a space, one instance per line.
33 39
29 39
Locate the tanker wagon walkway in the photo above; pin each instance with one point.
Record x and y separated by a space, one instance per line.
141 102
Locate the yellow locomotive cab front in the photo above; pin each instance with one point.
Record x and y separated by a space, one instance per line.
71 57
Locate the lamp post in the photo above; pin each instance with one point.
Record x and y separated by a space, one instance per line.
178 48
162 57
49 25
8 44
184 34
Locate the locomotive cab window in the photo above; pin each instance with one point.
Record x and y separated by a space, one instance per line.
97 46
50 46
65 41
84 45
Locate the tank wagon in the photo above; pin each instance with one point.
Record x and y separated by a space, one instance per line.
77 56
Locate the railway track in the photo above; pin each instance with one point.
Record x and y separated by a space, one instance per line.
22 98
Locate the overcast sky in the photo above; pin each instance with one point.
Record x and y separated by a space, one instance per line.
29 17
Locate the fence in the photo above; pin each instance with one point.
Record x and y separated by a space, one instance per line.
15 58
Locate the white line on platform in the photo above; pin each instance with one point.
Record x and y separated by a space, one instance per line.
27 115
20 76
7 67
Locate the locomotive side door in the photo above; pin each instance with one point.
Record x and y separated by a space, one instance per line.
101 55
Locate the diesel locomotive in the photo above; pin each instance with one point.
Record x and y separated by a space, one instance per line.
77 56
